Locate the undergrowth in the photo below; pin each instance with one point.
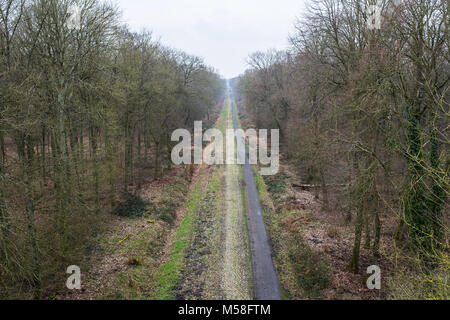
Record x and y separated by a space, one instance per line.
312 273
134 206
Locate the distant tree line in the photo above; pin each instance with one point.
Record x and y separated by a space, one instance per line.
85 106
366 108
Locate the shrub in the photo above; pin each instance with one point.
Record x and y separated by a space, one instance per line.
167 211
276 183
312 272
134 206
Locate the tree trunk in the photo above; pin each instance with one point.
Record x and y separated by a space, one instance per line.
324 189
93 140
29 209
354 263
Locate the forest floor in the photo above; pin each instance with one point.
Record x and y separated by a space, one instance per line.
125 261
314 246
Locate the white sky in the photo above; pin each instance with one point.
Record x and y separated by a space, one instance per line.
223 32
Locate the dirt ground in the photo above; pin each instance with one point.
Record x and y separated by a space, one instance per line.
125 245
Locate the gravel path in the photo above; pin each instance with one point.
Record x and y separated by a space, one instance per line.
237 265
266 286
230 256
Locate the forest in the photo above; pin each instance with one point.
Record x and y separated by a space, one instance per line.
83 105
88 107
363 116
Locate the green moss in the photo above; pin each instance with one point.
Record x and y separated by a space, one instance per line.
263 194
313 274
168 275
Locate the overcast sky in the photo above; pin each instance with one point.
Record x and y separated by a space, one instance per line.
223 32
